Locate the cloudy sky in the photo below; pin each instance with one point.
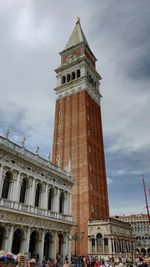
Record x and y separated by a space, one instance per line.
33 32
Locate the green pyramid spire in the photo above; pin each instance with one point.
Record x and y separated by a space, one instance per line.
77 36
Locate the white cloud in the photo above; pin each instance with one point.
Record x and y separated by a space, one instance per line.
30 31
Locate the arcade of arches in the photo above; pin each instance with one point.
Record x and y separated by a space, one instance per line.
103 245
110 237
34 242
100 244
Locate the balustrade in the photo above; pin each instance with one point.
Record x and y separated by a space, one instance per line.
34 210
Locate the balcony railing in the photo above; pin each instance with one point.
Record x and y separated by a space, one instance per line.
21 207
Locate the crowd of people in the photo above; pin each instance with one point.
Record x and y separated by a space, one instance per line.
90 261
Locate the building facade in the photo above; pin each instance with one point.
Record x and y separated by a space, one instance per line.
111 237
140 230
78 134
35 203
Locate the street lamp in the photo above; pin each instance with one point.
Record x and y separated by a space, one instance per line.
76 236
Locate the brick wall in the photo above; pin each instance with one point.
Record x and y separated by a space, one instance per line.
78 135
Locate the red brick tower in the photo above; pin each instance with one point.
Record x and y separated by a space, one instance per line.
78 132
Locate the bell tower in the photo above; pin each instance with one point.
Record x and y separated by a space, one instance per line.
78 137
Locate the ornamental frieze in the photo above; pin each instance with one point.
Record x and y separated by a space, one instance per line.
24 221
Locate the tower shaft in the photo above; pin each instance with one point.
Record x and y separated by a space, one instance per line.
78 133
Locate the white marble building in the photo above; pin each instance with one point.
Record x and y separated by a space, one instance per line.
140 229
35 203
111 237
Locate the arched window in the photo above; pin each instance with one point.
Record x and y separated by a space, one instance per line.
93 245
68 77
47 246
61 203
37 195
99 240
23 191
73 75
50 199
78 73
105 241
63 79
6 185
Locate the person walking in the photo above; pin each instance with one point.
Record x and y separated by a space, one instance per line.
66 264
87 261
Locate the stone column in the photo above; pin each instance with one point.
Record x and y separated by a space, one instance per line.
43 202
68 248
96 246
32 193
29 196
89 245
83 72
13 193
27 240
112 245
11 188
54 250
56 201
16 187
9 238
109 246
64 249
103 246
41 246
